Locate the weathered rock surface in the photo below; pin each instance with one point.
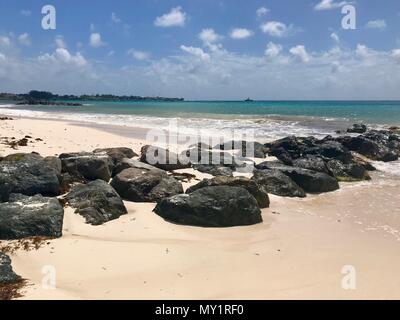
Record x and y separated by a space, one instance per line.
357 128
7 275
347 172
96 201
247 148
277 183
141 185
215 170
250 185
162 158
217 206
87 165
27 174
117 154
132 163
25 216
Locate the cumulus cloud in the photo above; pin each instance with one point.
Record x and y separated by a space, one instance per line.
5 41
262 11
64 56
396 54
273 50
209 36
198 52
300 53
24 39
376 24
60 42
95 40
363 51
276 29
335 37
241 33
175 18
139 55
329 5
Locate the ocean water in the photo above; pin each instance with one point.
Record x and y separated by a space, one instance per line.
267 119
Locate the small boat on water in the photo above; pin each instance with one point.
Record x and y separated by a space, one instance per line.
248 100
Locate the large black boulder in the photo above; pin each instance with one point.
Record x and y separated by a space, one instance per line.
25 216
214 170
347 172
28 174
250 185
96 201
357 128
87 165
7 275
163 158
141 185
218 206
277 183
311 162
250 149
133 163
310 181
117 154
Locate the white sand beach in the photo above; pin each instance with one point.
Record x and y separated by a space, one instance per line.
298 252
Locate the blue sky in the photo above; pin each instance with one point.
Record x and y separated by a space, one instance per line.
203 49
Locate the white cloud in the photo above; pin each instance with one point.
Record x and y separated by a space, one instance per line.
26 13
5 41
60 42
95 40
209 36
300 53
24 39
276 29
139 55
273 50
2 57
396 54
62 55
363 51
198 52
329 5
175 18
114 18
241 33
262 11
335 37
376 24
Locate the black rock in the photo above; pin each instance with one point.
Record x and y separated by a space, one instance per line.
25 216
87 165
215 170
247 148
27 174
132 163
7 275
140 185
369 148
55 163
162 158
218 206
311 162
117 154
310 181
96 201
277 183
330 150
357 128
250 185
347 172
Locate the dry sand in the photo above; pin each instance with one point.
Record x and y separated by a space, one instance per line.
298 252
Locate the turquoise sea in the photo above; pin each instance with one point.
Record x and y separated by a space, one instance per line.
269 119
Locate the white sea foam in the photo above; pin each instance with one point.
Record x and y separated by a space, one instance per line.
264 128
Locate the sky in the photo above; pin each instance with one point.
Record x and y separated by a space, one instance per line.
203 49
